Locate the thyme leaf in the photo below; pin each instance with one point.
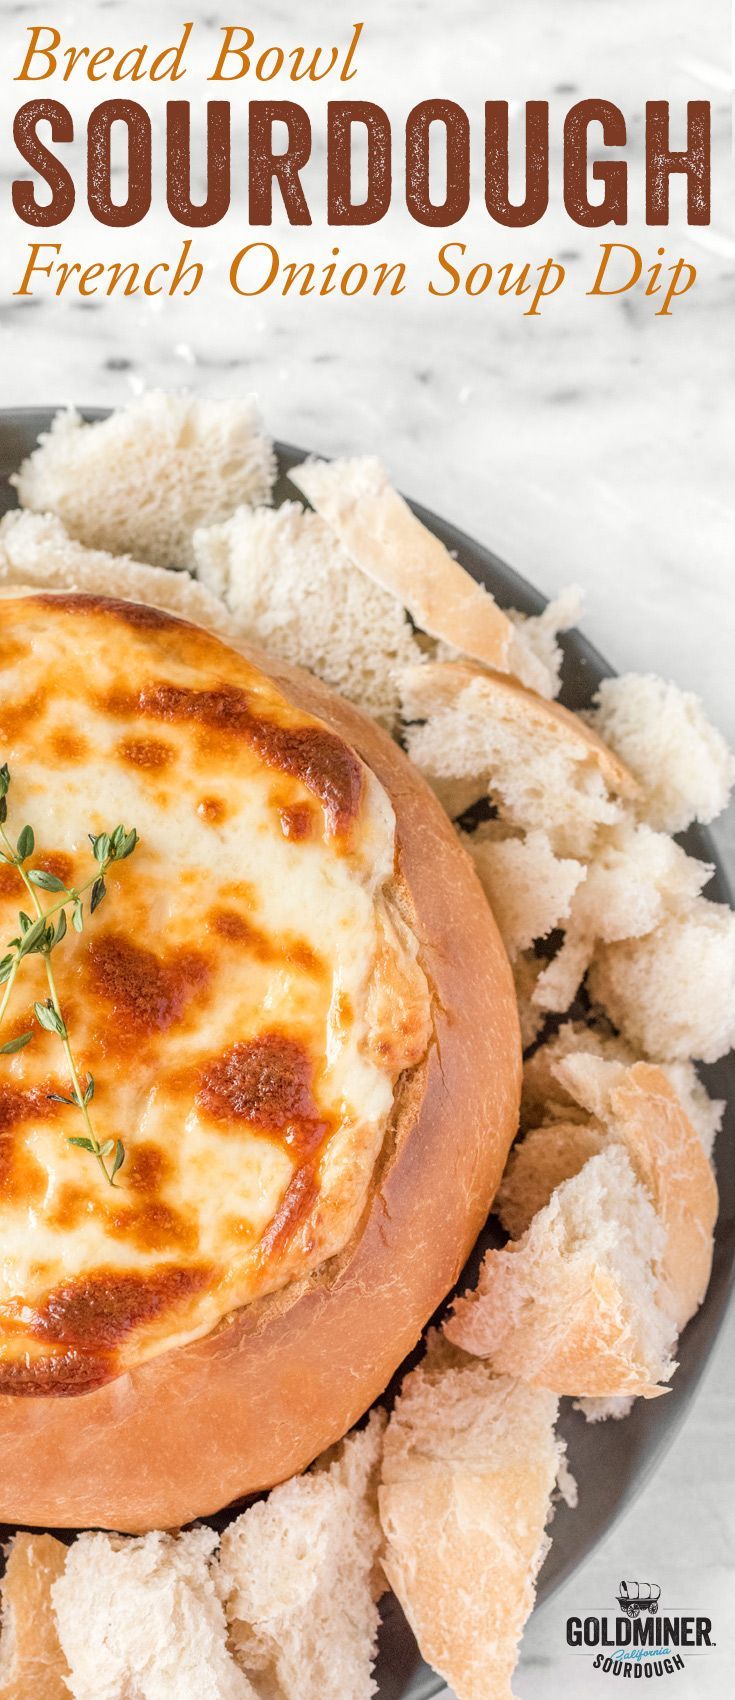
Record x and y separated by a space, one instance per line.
41 937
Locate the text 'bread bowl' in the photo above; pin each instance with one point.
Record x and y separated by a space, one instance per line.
301 1016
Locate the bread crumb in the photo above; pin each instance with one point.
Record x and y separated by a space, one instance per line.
526 970
640 1111
538 1164
543 1097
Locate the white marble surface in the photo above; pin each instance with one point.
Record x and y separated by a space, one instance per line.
591 444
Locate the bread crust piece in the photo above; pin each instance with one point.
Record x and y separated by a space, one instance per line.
574 1305
255 1401
469 1465
434 685
32 1665
381 535
636 1107
544 1158
639 1107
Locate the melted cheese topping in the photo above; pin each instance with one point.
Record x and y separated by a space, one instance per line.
245 998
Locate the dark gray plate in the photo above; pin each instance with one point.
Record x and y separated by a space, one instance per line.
611 1461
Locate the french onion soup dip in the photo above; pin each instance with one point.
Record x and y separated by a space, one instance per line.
245 997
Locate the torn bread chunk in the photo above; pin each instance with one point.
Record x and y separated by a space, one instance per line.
672 993
385 539
545 769
559 982
37 553
639 1108
298 1576
540 633
538 1164
292 588
635 879
140 482
529 889
574 1305
32 1664
469 1467
545 1098
681 762
141 1618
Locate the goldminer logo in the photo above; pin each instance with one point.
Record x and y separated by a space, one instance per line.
643 1642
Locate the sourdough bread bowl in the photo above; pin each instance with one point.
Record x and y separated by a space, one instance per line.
176 1419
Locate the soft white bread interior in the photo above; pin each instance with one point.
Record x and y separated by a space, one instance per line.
32 1665
140 1620
681 762
574 1306
469 1466
672 993
541 765
538 1164
528 887
381 535
37 553
635 879
140 482
292 588
639 1108
299 1578
545 1098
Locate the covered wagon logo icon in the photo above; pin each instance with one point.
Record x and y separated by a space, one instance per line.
635 1597
642 1641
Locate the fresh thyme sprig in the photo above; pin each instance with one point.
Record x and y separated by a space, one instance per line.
41 937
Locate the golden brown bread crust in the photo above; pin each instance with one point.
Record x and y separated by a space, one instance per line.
32 1665
260 1397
